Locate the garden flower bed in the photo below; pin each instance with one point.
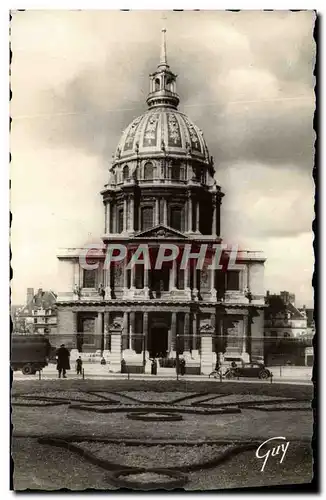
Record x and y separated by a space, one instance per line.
68 395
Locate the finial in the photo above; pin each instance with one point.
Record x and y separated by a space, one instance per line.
163 58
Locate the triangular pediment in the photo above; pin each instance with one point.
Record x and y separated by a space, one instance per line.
161 231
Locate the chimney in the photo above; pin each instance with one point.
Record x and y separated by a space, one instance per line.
29 299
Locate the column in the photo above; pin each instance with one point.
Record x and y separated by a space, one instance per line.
125 331
76 274
115 220
173 275
194 332
133 277
99 330
125 214
214 217
187 280
157 211
108 218
165 212
189 213
146 287
132 213
125 277
212 280
195 289
206 352
197 217
218 217
213 325
107 279
106 331
173 330
132 330
245 354
187 332
115 358
145 330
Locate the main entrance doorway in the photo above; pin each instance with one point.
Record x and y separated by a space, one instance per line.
158 342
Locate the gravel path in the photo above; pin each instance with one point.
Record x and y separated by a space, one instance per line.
291 404
42 467
250 424
166 456
165 397
241 398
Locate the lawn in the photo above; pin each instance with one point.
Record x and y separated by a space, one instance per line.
204 447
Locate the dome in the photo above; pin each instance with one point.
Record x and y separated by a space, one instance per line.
162 130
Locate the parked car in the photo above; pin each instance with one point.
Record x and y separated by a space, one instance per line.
250 370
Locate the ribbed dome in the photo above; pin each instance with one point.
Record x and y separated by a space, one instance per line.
162 129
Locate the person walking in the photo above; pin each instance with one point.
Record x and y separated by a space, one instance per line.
79 365
63 363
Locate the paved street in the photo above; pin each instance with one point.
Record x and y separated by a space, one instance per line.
94 371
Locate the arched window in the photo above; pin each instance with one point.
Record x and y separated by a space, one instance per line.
169 84
157 84
175 172
125 172
148 171
146 218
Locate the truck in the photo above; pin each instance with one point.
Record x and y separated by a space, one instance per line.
30 353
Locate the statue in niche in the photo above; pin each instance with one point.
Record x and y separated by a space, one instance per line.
204 276
101 290
77 290
118 275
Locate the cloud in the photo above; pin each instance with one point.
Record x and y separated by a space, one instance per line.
262 201
78 79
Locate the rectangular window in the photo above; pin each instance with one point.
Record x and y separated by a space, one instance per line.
180 279
176 218
89 278
233 280
120 220
139 277
146 218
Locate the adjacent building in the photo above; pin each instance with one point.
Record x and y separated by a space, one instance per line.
287 333
162 189
38 315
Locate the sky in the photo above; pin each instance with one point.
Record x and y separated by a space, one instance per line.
78 78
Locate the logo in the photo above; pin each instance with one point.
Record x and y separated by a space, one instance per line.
263 452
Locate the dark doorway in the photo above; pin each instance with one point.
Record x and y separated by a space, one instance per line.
158 342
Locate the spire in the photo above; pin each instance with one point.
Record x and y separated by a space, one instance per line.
163 83
163 58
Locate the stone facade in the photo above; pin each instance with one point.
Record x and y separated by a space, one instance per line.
162 189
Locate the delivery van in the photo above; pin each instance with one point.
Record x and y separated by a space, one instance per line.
29 353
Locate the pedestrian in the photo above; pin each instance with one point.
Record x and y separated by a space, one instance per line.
182 366
79 365
63 363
